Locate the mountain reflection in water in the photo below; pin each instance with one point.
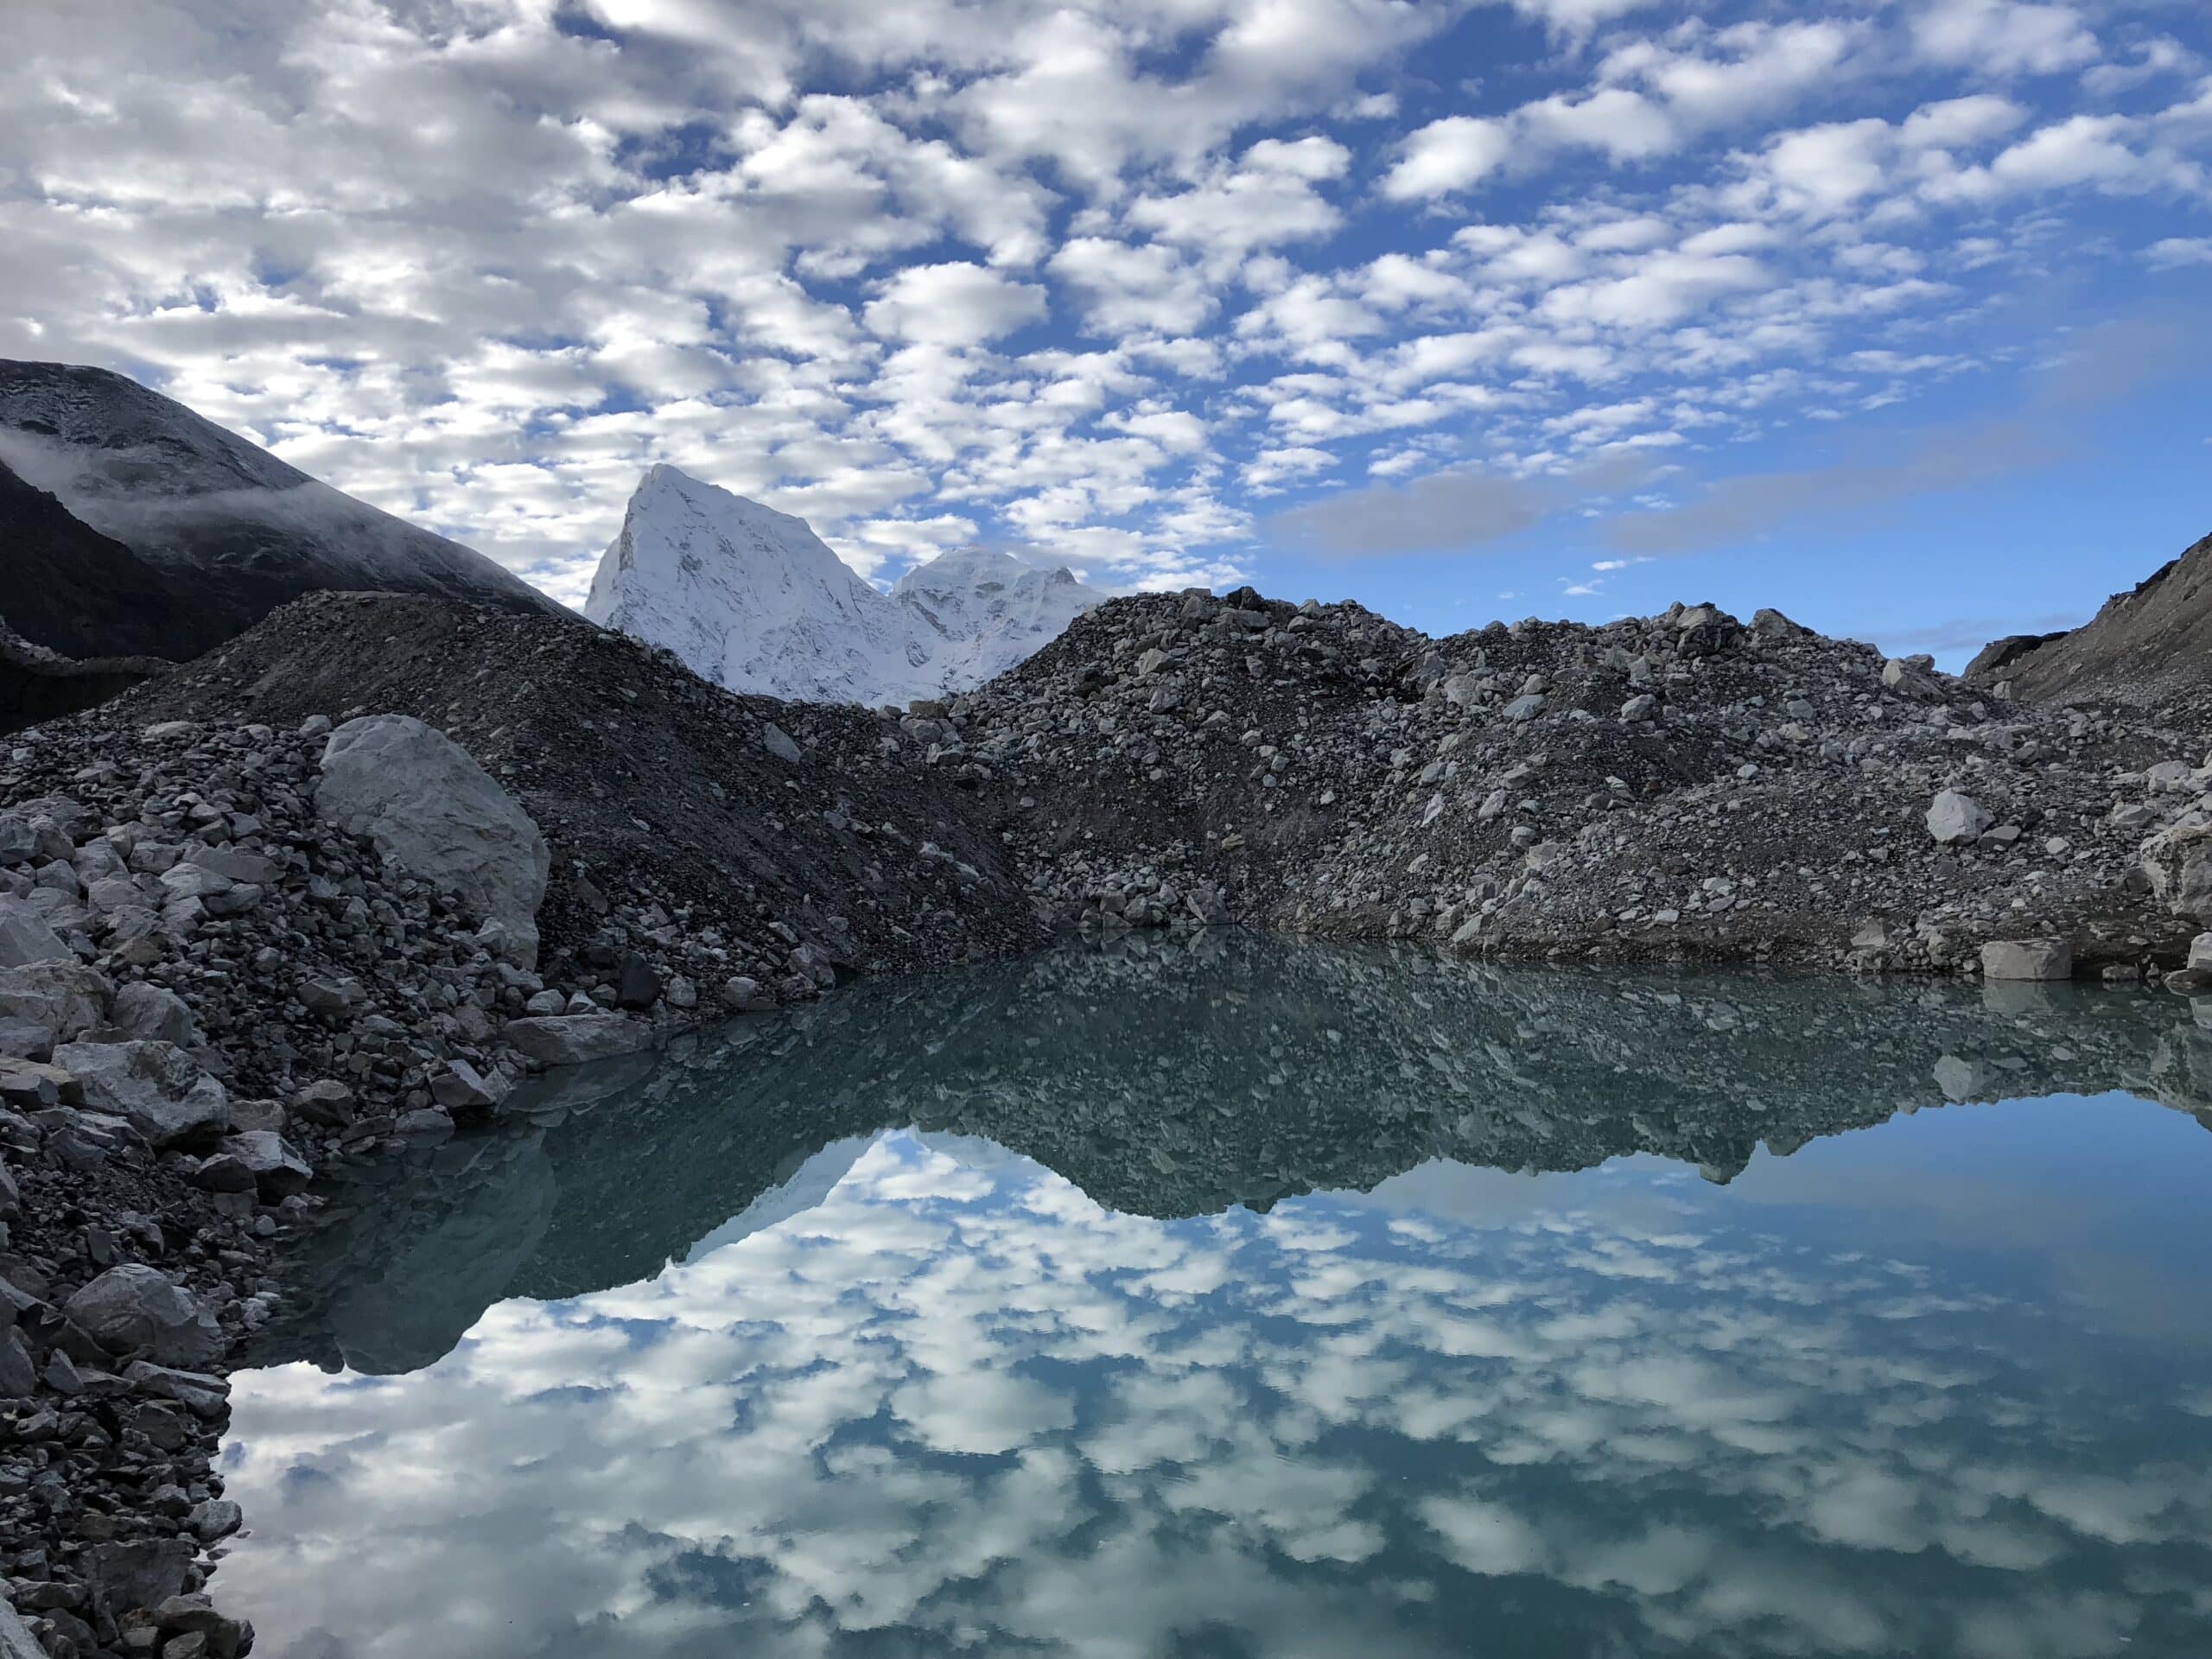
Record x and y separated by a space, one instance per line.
991 1313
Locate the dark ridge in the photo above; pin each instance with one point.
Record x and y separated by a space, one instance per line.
38 685
203 531
76 591
2150 646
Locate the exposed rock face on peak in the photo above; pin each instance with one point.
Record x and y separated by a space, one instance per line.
755 602
187 533
2152 643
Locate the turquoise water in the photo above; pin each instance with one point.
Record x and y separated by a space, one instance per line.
1246 1301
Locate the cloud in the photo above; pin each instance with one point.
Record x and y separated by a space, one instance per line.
2174 253
2106 364
1268 198
1449 154
1134 288
2004 37
1455 511
954 304
1653 98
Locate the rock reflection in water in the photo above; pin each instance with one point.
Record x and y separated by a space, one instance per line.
1183 1080
989 1330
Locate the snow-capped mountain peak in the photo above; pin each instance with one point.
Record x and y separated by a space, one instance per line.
754 601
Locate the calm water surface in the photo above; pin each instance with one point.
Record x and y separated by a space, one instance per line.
1238 1301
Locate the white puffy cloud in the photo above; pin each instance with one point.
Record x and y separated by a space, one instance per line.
1267 198
958 303
2004 37
1448 155
1654 96
2173 252
1130 288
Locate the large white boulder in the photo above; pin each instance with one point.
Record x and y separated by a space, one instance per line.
2178 861
156 1086
431 810
1954 817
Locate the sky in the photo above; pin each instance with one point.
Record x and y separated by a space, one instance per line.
1895 314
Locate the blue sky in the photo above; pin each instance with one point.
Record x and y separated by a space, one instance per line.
1892 314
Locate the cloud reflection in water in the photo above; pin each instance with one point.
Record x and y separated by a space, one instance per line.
955 1405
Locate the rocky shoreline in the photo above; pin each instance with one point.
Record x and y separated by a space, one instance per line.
336 888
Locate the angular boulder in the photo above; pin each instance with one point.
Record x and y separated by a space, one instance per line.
63 998
2027 959
153 1013
25 937
278 1171
2178 862
156 1086
2196 978
573 1038
135 1309
428 809
143 1572
1954 818
464 1089
197 1393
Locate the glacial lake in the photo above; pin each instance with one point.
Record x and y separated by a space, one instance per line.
1232 1298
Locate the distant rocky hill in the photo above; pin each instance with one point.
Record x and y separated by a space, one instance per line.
754 600
2152 642
792 849
129 524
1672 786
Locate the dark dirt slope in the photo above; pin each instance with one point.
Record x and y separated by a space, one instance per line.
37 685
240 531
668 815
66 587
2146 646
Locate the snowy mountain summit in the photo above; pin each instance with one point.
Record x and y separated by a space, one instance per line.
754 601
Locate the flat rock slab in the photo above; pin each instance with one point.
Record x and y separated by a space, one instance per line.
2028 959
158 1088
573 1038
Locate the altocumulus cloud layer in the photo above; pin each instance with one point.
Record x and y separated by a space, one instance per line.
957 1405
1115 282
